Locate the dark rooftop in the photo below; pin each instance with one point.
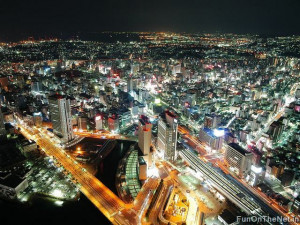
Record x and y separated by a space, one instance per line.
11 181
238 148
227 216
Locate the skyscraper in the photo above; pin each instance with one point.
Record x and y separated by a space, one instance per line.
276 129
60 113
132 84
113 123
129 84
144 134
167 135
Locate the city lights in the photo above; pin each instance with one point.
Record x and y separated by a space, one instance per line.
57 193
176 124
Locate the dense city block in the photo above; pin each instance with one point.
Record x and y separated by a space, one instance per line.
154 127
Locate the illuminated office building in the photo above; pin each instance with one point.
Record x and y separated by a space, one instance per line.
167 135
60 113
238 159
144 134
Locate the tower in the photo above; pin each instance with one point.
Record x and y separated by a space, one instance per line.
129 84
144 134
113 123
60 112
167 135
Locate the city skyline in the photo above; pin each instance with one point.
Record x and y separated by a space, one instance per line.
150 112
206 125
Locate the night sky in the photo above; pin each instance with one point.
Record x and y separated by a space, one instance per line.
236 16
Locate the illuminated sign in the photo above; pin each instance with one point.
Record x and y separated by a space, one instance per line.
219 133
157 101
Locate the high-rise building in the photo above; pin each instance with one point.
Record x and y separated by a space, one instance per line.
257 175
213 138
274 168
212 121
60 113
99 122
113 123
82 123
167 135
142 168
276 129
124 118
238 159
131 84
144 134
37 119
2 126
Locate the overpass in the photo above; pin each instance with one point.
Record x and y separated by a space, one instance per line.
105 135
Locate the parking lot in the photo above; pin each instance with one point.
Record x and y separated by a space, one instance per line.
49 180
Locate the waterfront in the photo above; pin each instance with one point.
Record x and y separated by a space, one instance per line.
40 210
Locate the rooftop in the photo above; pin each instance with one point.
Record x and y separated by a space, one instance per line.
227 216
11 181
239 148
